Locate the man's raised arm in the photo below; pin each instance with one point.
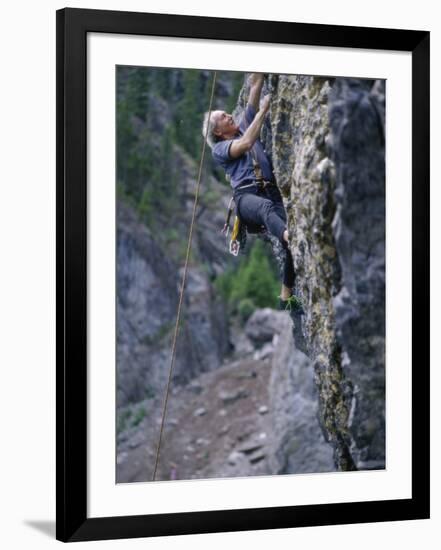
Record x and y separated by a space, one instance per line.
242 145
256 82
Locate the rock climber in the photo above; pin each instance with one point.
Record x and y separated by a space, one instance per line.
238 149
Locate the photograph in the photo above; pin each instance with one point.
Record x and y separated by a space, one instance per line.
216 278
250 274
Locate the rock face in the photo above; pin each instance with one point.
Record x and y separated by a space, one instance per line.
147 300
328 156
203 336
299 444
359 232
146 282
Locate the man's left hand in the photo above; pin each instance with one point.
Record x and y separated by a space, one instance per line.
256 83
255 78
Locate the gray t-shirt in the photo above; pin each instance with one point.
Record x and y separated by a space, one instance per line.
240 170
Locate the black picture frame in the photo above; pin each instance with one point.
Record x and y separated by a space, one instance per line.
72 523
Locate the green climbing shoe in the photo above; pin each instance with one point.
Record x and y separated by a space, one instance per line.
292 304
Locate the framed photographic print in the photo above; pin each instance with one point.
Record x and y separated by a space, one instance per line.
242 274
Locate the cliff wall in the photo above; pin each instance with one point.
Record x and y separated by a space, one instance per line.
327 144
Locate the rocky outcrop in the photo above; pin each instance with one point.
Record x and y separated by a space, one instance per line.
203 333
328 155
254 415
299 444
356 112
148 284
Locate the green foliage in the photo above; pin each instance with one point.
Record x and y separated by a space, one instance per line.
146 202
163 331
122 420
253 284
159 114
132 415
245 308
256 279
237 79
139 416
190 108
145 167
150 392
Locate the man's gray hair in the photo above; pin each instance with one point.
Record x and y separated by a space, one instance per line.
208 128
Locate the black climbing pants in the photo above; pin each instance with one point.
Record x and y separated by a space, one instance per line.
256 207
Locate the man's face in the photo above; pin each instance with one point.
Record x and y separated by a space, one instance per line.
225 125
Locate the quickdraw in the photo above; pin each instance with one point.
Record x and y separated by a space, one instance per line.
238 233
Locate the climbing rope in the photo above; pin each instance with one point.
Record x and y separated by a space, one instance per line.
184 278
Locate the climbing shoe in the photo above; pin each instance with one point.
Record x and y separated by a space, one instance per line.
292 305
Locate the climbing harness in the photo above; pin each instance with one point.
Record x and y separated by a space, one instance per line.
184 278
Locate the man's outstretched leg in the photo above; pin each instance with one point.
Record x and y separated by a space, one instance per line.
257 210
